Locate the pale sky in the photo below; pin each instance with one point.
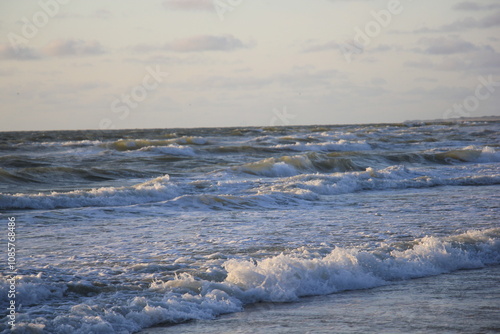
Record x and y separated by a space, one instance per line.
90 64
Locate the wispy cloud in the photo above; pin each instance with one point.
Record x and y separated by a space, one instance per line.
484 59
446 45
55 48
19 53
198 43
474 6
207 43
466 23
194 5
347 44
328 46
72 47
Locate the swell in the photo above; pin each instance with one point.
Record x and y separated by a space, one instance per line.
155 190
292 165
357 161
223 192
455 156
137 144
64 175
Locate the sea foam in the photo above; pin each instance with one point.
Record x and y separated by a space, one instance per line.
158 189
281 278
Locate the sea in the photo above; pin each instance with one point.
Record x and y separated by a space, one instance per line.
380 228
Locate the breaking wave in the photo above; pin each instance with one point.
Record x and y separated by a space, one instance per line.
136 144
295 180
158 189
280 278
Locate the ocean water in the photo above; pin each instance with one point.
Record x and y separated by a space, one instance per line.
249 230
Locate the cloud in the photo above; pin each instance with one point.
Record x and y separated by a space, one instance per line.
446 45
473 6
190 5
465 23
61 47
440 93
332 45
489 21
73 47
485 60
206 43
19 53
350 46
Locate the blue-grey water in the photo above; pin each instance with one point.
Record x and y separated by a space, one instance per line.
192 229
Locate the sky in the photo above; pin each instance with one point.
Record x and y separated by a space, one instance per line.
103 64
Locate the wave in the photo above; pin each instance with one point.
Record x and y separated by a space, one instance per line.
70 143
287 277
53 175
288 187
357 161
467 154
158 189
241 281
394 177
12 178
293 165
137 144
173 149
341 145
311 188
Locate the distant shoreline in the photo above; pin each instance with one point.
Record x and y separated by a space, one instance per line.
461 119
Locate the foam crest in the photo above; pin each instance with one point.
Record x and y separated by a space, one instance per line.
488 154
341 145
137 144
70 143
288 277
158 189
173 149
272 167
297 164
393 177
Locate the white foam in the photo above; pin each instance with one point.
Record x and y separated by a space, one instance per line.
488 154
341 145
280 278
158 189
393 177
287 277
78 143
278 167
170 150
